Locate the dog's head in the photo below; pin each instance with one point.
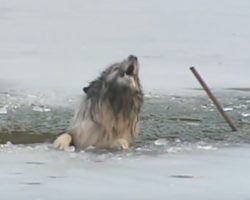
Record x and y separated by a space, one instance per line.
124 75
118 77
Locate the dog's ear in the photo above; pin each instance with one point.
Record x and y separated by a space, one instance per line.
93 88
86 89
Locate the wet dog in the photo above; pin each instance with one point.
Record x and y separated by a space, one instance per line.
108 115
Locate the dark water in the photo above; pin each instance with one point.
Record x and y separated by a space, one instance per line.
36 118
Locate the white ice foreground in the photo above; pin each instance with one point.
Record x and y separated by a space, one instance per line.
41 173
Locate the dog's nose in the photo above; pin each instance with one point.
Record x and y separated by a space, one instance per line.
132 58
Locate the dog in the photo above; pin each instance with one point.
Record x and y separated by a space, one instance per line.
108 115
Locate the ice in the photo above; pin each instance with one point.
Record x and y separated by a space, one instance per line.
70 149
151 95
41 109
208 147
177 140
212 36
161 142
4 110
227 109
7 144
51 174
245 114
183 172
174 149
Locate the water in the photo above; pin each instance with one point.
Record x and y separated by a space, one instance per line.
32 118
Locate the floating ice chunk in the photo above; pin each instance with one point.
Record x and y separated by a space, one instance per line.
150 95
161 142
41 109
240 106
147 96
7 144
173 98
174 149
4 110
193 123
208 147
28 148
38 109
245 114
138 149
70 149
177 140
228 109
46 109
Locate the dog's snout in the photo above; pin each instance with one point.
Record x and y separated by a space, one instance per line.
132 58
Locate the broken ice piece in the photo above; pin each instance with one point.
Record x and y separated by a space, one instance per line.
228 109
245 114
160 142
4 110
41 109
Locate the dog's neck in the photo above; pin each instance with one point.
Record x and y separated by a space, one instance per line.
124 100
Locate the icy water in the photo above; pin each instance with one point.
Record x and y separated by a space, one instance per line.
168 119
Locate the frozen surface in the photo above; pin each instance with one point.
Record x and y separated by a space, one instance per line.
64 44
45 174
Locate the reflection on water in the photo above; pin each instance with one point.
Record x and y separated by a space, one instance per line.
30 118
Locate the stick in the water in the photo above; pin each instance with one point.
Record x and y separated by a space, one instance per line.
214 99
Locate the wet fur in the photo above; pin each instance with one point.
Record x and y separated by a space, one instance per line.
108 115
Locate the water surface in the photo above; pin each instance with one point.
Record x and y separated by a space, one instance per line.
170 120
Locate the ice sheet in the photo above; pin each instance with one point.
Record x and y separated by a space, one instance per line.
43 173
65 44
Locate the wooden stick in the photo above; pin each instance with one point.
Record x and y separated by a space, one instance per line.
214 99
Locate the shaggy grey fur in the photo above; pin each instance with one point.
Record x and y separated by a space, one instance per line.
109 112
